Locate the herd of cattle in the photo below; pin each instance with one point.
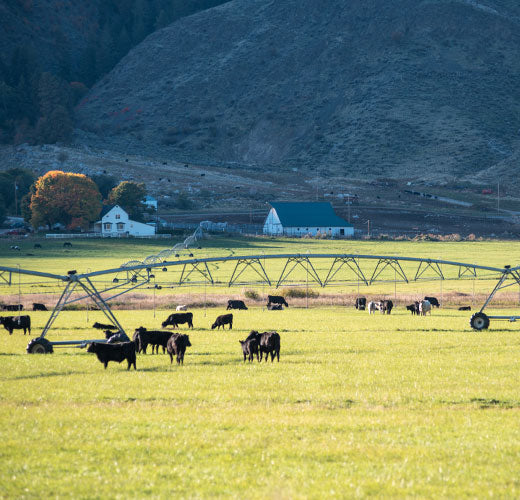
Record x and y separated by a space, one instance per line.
118 347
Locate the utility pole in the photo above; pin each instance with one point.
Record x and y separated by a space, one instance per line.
348 205
368 221
15 198
498 197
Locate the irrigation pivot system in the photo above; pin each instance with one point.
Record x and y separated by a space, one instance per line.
273 270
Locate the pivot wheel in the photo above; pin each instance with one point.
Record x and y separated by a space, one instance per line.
39 346
479 321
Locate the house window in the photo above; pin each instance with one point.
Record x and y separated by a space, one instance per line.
108 226
118 216
342 232
120 226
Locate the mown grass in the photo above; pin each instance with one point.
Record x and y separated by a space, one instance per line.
359 405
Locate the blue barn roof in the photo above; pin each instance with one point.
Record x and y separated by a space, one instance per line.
308 214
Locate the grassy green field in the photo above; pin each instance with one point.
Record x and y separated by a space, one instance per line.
359 405
390 406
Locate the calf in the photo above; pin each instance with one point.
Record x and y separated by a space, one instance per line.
101 326
177 319
465 308
373 307
250 348
235 304
181 308
155 338
177 345
275 307
424 307
16 323
225 319
276 299
114 352
12 307
433 301
413 308
361 303
386 306
39 307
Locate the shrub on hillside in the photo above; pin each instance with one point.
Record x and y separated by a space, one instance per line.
300 293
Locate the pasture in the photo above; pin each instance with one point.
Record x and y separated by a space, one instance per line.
393 406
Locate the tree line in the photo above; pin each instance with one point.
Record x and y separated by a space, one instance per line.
73 200
36 102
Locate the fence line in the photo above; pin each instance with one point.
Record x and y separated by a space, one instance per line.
57 236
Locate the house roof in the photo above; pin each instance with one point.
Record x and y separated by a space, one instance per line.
105 209
318 214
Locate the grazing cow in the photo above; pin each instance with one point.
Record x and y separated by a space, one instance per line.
361 303
225 319
276 299
373 307
275 307
433 301
182 308
177 319
15 247
177 344
386 306
67 244
424 307
235 304
114 352
101 326
465 308
155 338
16 323
12 307
250 348
37 245
39 307
413 308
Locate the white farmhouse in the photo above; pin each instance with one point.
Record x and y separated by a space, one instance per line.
115 222
301 218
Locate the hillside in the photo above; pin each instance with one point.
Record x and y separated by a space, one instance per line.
365 87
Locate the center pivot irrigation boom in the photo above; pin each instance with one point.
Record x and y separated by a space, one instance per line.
265 270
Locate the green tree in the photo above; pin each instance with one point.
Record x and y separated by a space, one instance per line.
129 195
105 184
14 185
71 199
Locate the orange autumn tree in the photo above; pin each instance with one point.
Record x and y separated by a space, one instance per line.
70 199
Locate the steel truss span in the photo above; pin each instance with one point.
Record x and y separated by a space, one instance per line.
273 270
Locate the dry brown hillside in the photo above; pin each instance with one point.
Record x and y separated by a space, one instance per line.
365 87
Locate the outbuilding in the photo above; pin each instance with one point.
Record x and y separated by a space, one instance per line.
305 218
115 222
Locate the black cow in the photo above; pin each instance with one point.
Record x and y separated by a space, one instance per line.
235 304
225 319
37 245
117 337
433 301
39 307
155 338
276 299
12 307
361 303
177 319
465 308
268 343
250 348
275 307
413 308
67 244
114 352
101 326
177 344
16 323
386 306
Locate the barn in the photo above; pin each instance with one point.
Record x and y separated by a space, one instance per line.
301 218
